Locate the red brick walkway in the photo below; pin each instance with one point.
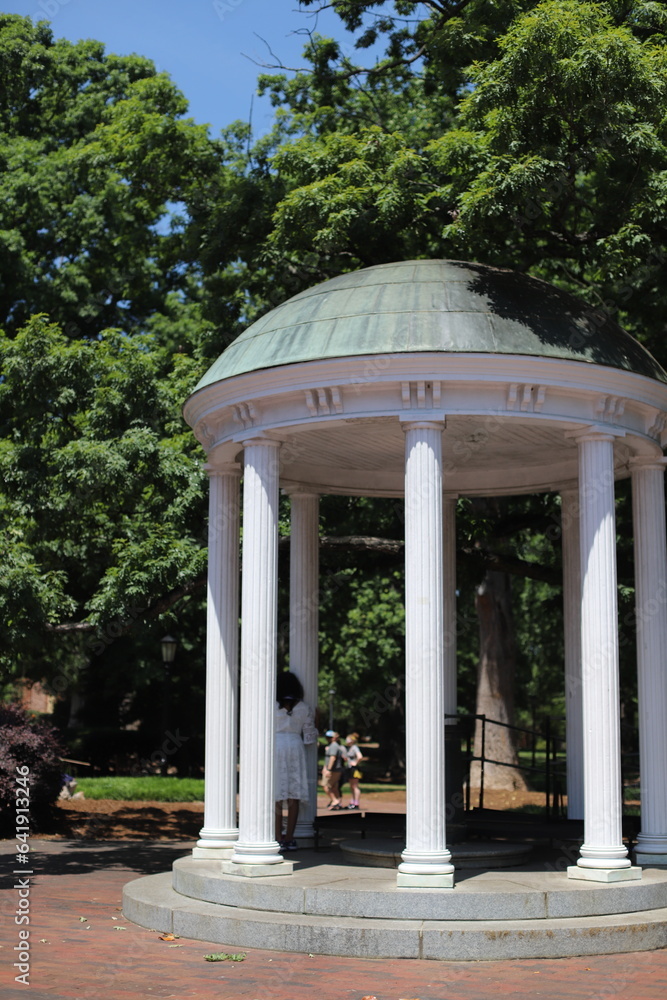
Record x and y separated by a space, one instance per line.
82 947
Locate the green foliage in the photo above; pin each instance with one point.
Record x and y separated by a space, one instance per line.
95 154
102 495
560 146
552 161
521 133
337 183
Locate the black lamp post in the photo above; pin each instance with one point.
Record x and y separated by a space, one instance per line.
168 644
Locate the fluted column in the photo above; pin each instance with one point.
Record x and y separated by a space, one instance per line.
648 505
603 854
256 850
219 832
426 859
449 606
303 638
574 726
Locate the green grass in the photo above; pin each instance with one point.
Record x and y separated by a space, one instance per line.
158 788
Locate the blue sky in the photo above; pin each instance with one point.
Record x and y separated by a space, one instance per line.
202 44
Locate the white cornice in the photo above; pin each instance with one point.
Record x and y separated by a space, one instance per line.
512 393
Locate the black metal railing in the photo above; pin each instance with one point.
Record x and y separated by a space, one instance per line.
551 772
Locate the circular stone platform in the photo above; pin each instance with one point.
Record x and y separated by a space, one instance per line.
385 853
339 909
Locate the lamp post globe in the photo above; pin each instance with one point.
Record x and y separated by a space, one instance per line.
168 644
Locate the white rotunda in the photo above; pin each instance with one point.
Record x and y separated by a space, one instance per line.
431 380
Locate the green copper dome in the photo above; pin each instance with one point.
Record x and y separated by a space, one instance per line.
432 305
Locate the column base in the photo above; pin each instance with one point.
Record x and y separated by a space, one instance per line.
407 881
422 875
648 860
604 874
257 871
304 832
307 841
213 853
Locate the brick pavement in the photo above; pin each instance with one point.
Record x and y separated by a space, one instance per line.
82 947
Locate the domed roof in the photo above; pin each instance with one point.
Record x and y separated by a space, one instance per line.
432 305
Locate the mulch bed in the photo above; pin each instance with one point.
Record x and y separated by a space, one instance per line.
109 819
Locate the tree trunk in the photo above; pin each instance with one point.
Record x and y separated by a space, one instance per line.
495 683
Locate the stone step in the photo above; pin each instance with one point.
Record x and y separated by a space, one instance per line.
152 902
339 890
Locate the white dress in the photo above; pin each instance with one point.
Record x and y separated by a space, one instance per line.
291 779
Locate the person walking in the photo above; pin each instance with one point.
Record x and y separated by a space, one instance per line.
354 775
334 761
294 725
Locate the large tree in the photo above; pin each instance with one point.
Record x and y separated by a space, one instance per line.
99 164
547 155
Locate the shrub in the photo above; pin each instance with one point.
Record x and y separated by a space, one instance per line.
26 741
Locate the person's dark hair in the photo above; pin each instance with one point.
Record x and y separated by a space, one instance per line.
289 690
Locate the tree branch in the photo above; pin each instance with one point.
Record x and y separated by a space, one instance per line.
331 543
124 626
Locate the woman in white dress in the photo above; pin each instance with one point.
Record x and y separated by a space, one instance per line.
294 721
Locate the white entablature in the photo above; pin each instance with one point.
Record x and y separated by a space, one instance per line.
337 418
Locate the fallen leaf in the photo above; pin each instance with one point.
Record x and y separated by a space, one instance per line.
223 956
83 919
369 998
117 928
177 946
167 937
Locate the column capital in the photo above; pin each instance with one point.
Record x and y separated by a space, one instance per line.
223 469
248 442
298 491
594 432
412 424
654 462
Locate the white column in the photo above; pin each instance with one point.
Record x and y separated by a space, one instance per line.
648 504
603 854
256 850
303 638
449 606
426 859
574 726
219 832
